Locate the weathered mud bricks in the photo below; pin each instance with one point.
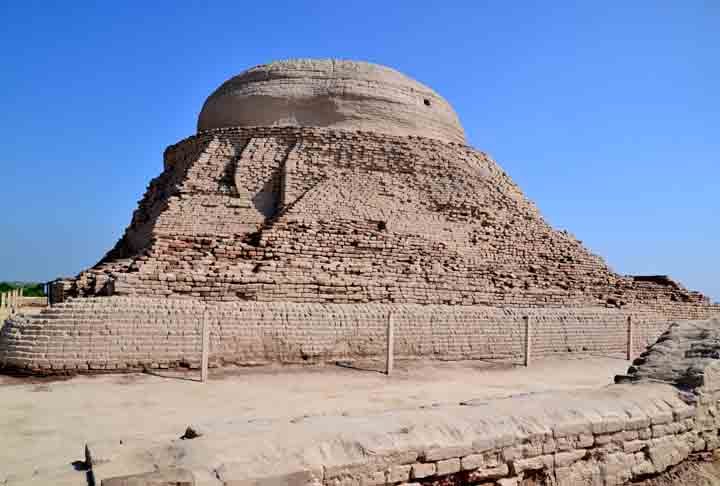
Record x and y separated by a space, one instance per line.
122 333
366 205
364 218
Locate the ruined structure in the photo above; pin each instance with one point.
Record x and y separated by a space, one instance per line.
619 434
317 198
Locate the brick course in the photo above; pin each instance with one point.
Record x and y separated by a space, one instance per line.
330 216
125 333
298 242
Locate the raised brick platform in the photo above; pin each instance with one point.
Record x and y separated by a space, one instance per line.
308 215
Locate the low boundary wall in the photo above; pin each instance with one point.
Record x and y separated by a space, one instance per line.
123 333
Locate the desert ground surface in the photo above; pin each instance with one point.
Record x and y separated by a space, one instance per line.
46 423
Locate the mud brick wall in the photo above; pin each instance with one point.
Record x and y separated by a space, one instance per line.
314 215
602 437
117 333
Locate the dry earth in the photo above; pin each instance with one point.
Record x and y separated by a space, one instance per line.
45 424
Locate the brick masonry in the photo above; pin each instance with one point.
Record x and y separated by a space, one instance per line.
330 216
607 437
125 333
297 242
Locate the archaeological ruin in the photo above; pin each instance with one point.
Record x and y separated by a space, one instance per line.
318 199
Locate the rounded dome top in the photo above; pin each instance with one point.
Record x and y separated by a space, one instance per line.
348 95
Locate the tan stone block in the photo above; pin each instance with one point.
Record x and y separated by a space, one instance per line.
585 440
448 466
438 454
608 424
489 473
512 453
569 428
376 478
422 470
472 461
634 446
533 463
398 474
661 430
563 459
564 444
643 468
662 417
603 439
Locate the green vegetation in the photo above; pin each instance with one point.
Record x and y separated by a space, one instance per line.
32 289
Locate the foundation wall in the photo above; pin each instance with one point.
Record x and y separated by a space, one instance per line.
603 438
116 333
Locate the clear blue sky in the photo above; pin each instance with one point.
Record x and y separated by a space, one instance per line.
606 113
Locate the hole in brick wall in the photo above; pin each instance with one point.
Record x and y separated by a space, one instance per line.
267 199
80 466
457 479
227 179
426 101
381 226
253 239
535 478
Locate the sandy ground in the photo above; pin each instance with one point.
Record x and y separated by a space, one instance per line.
45 424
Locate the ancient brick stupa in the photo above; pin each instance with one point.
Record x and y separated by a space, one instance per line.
317 198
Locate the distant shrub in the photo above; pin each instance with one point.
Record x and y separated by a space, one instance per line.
30 289
34 290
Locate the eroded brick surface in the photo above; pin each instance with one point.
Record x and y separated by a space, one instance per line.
297 243
315 215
